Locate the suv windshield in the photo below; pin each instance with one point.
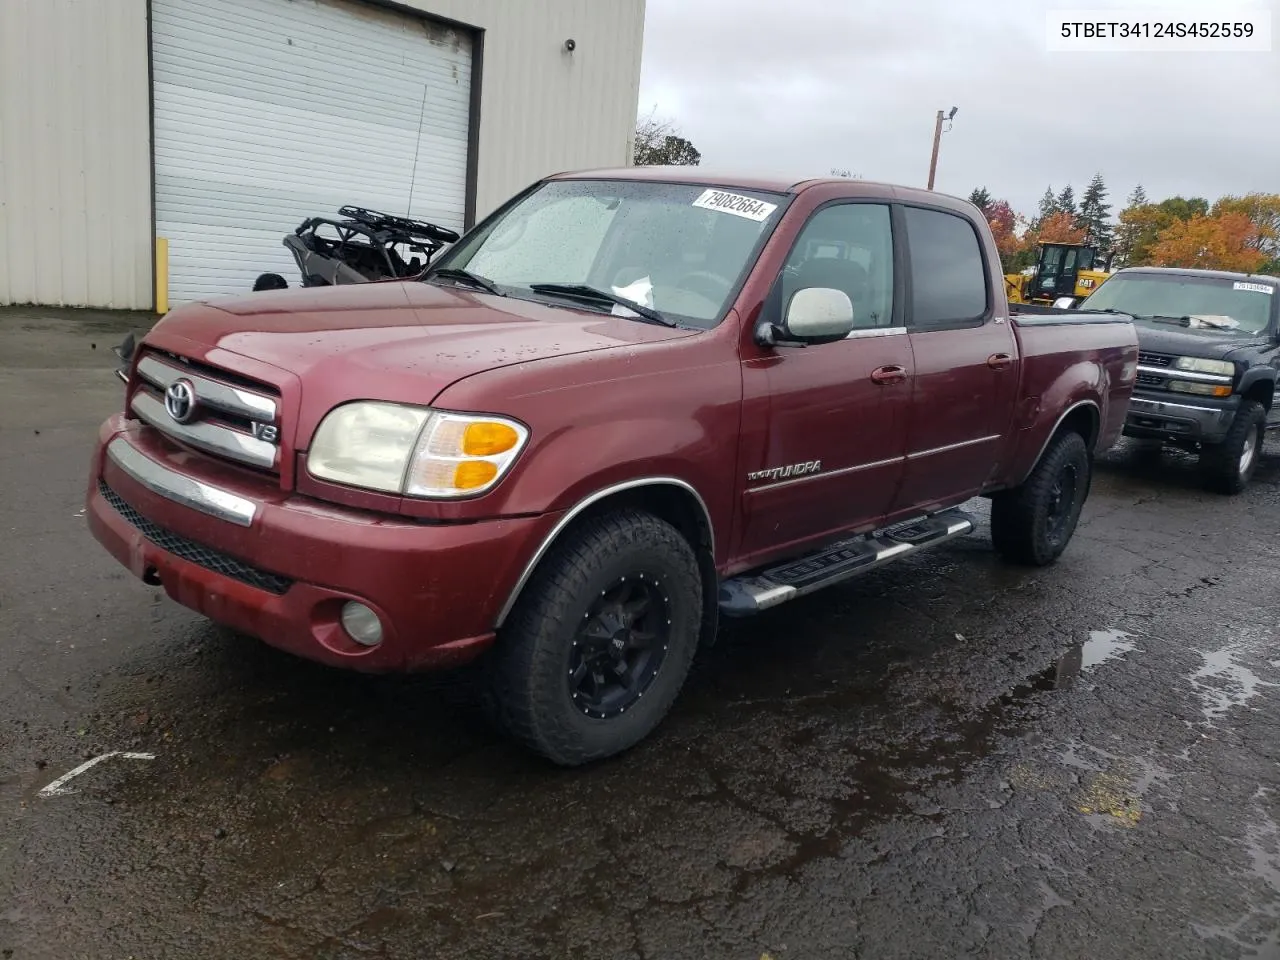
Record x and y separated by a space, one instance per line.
1245 302
679 249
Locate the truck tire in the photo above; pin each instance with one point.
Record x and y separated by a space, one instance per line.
601 640
1032 524
1227 467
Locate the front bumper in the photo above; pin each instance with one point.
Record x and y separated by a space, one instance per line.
279 566
1195 419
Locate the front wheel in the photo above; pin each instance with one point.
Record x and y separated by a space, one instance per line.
601 640
1227 467
1033 523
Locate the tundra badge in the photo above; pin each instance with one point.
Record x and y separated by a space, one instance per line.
791 470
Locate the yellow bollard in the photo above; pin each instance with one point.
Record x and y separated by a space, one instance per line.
162 275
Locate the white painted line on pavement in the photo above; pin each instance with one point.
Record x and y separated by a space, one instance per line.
57 788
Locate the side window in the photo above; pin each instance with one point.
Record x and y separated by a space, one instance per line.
847 246
948 281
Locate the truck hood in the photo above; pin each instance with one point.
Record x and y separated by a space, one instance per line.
1156 337
397 340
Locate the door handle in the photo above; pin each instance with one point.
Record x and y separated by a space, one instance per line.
999 361
889 374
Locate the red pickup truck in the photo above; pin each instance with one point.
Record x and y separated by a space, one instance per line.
624 404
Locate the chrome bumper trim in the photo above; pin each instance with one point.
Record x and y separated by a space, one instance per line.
184 490
1161 404
222 441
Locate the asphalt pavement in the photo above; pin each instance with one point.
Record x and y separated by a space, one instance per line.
951 757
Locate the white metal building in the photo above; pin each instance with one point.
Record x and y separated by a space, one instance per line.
220 125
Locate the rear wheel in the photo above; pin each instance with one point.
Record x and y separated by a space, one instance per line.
599 644
1033 523
1227 467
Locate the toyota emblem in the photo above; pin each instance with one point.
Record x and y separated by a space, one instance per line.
180 400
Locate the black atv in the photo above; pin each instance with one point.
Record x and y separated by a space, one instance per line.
362 247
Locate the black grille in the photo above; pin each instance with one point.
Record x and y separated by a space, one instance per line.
1154 359
194 552
1150 380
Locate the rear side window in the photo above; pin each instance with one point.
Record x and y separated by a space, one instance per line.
949 283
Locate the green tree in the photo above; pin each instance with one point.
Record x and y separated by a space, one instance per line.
658 143
1066 202
981 199
1095 216
1184 208
1128 233
1048 207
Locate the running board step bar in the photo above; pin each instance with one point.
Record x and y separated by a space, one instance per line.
741 596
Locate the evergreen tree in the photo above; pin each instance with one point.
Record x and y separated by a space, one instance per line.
981 199
1136 199
1066 202
1048 207
1095 216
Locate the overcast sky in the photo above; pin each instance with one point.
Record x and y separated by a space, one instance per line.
801 86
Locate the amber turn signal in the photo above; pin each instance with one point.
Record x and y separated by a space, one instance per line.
486 438
473 474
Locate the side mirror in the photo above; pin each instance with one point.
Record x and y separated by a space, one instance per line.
814 314
1065 303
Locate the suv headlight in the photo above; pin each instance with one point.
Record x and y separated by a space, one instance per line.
1223 367
414 451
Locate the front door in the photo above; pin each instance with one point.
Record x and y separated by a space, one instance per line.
824 426
966 364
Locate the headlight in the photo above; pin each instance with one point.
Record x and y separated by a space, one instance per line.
1200 389
414 451
1224 367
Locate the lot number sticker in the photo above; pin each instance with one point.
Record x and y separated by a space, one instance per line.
736 204
1255 287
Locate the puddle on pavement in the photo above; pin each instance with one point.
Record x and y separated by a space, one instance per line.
1102 646
1223 682
1257 927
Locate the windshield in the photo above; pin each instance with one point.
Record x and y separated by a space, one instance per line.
680 249
1246 303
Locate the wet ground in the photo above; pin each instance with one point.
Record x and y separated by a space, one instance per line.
948 758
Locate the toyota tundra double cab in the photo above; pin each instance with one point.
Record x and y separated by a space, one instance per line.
624 404
1209 344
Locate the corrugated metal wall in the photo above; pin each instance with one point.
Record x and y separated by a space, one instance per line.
75 153
542 109
75 150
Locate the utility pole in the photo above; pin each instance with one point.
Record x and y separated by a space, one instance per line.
937 140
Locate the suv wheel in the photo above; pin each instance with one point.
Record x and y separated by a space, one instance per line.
1034 523
601 640
1227 467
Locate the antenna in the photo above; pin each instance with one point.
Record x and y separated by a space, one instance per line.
417 146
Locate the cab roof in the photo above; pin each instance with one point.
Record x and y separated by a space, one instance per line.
1210 274
702 176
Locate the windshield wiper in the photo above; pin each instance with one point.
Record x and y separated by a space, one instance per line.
583 291
466 276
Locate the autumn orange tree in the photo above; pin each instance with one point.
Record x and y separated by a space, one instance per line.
1264 210
1225 242
1058 228
1004 227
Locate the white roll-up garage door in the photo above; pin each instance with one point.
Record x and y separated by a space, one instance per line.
271 111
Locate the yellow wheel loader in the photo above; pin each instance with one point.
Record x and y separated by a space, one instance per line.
1062 270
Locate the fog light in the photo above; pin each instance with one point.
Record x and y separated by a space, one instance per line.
361 624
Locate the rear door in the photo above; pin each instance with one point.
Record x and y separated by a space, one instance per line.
965 379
